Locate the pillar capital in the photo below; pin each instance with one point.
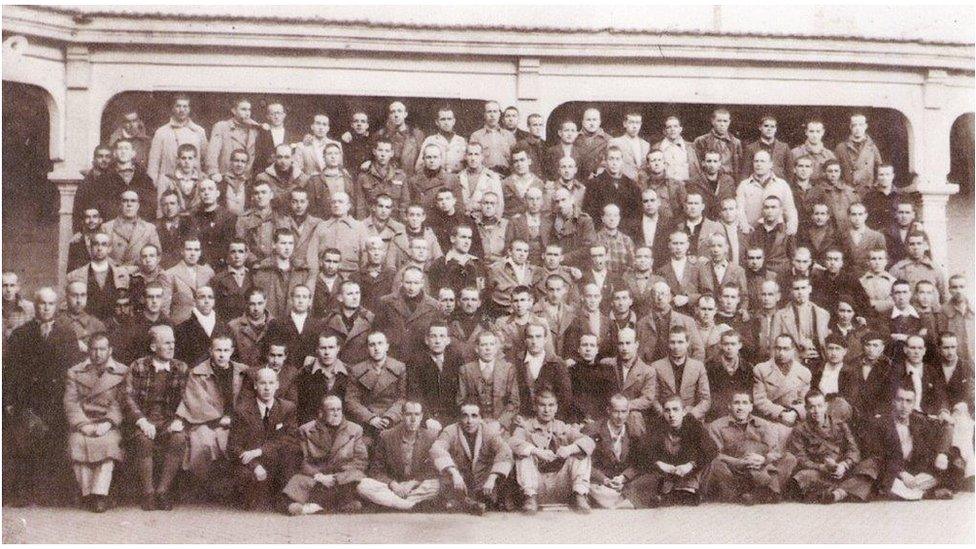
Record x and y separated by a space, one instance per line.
77 74
67 182
528 78
935 192
934 89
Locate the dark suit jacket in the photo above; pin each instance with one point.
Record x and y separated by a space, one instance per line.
353 349
172 241
933 386
593 385
605 463
580 326
300 345
688 285
778 250
215 236
230 299
659 247
402 326
34 369
192 342
388 463
312 388
600 191
248 431
435 389
552 157
610 283
78 253
264 148
553 376
326 301
929 438
959 387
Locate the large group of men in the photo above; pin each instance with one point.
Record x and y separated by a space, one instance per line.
273 318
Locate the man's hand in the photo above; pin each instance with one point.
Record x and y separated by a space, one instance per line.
946 417
683 470
147 428
458 481
788 416
88 430
489 486
617 482
680 300
248 456
575 273
225 421
544 454
100 429
518 421
377 422
754 461
397 488
325 480
83 346
665 468
744 315
216 178
907 478
942 462
566 451
840 470
260 473
176 426
433 425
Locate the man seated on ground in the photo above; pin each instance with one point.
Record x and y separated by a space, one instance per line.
471 457
94 400
828 461
262 444
552 459
377 388
614 457
334 458
750 466
910 450
212 388
401 470
674 459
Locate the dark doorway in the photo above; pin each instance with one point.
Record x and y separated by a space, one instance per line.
961 144
30 201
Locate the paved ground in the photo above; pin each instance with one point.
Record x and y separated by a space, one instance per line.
922 522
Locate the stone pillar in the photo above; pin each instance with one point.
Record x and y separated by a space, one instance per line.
935 199
527 86
66 190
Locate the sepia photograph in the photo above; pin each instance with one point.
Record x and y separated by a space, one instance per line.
390 273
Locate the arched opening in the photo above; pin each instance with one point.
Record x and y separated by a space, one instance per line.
887 127
30 201
961 145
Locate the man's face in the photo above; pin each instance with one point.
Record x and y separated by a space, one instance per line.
520 163
299 203
413 415
564 202
446 301
519 252
619 411
815 133
164 345
741 407
817 409
275 114
45 306
717 249
340 204
330 264
493 114
627 345
801 291
333 157
568 133
432 158
904 403
769 296
728 300
470 418
678 245
277 356
877 261
915 349
283 159
771 211
130 205
77 295
611 217
643 260
377 346
93 220
761 163
783 351
926 295
103 159
100 247
591 298
242 111
350 296
99 351
768 129
437 339
489 206
382 153
650 203
360 123
446 202
461 239
154 300
238 163
181 109
820 215
320 126
655 162
256 305
445 121
873 349
836 353
730 347
917 247
801 261
536 125
419 250
331 411
261 196
327 350
415 217
545 409
521 304
705 310
957 289
591 120
397 113
487 346
124 153
221 350
901 294
413 283
376 253
11 286
803 169
632 125
301 300
132 123
266 385
208 192
660 296
886 178
832 172
672 128
470 301
237 255
149 259
904 215
535 339
678 345
859 127
204 300
473 157
284 246
729 212
949 347
588 347
721 122
556 291
845 313
552 258
622 303
674 413
510 119
598 258
712 163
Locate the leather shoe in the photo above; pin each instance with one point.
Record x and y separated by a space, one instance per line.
353 506
942 493
530 506
164 501
747 499
581 503
474 507
99 504
148 502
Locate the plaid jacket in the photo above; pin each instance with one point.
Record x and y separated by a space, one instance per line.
139 383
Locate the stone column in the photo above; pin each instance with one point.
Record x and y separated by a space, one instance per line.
935 194
66 189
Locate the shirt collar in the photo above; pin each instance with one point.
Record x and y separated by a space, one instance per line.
160 366
907 311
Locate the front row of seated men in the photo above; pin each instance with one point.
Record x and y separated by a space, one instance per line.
234 431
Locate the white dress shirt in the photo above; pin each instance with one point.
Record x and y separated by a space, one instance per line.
299 320
208 322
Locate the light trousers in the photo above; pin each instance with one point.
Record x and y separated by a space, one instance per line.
556 487
94 478
381 494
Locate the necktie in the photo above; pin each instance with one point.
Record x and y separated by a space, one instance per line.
267 417
46 329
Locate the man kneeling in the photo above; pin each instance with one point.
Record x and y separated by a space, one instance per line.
401 472
552 459
334 459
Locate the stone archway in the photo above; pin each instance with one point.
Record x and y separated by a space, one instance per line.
30 200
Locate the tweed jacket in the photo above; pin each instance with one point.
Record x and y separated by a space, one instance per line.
499 397
126 248
490 455
373 393
343 454
92 398
388 463
202 399
774 392
186 280
692 388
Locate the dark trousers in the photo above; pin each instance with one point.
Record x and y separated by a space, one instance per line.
35 462
253 494
161 457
